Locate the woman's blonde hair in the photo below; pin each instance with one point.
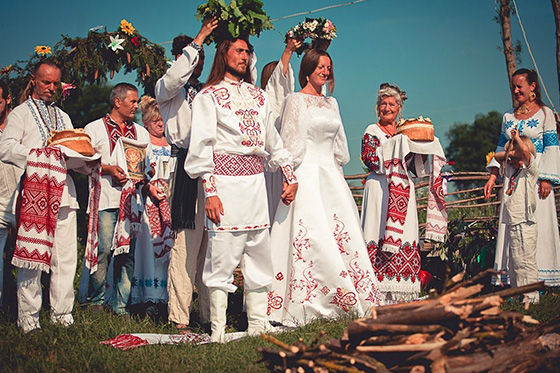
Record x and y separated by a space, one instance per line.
149 109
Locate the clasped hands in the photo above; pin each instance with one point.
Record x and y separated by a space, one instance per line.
215 209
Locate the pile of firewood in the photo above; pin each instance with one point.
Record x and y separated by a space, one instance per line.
460 331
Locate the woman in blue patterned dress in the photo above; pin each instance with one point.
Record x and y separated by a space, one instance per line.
149 284
535 120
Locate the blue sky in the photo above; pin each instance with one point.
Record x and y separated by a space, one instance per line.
443 53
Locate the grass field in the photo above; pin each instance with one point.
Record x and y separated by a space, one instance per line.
77 348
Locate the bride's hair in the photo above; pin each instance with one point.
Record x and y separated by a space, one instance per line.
309 63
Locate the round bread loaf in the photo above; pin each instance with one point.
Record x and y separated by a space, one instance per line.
417 129
76 139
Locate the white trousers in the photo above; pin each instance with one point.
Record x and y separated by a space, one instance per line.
63 270
521 241
186 262
227 250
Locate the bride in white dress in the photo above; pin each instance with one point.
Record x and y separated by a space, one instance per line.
320 261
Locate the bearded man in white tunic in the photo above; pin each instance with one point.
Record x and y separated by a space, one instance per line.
28 127
232 135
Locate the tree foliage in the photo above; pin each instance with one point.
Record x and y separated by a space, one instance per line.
94 58
92 103
469 143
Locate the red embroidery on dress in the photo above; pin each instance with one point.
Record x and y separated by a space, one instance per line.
288 172
360 278
308 283
274 302
344 299
279 276
341 237
374 295
257 94
325 290
300 242
209 185
250 127
343 274
237 165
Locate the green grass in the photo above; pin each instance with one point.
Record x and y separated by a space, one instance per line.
77 348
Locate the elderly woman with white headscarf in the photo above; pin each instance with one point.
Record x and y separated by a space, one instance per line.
397 271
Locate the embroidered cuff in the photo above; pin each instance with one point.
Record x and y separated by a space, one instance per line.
196 46
289 175
209 185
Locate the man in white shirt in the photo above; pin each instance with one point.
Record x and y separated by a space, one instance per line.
105 133
28 127
175 92
232 135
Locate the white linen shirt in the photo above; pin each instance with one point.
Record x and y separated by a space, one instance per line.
170 95
111 194
233 118
24 131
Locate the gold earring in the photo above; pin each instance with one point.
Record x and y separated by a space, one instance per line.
532 96
307 77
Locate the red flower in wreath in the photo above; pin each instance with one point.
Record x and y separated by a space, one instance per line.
135 41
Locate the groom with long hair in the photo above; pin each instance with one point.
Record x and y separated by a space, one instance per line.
233 136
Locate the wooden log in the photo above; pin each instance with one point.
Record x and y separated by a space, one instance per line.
451 297
366 361
512 292
401 348
428 316
480 276
363 327
279 343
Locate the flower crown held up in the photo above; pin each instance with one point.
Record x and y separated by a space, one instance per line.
239 19
313 28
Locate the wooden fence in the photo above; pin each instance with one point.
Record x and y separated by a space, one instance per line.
470 201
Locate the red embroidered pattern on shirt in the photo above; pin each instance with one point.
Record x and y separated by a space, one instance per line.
221 95
404 264
209 185
256 94
343 274
249 126
369 156
279 276
300 242
344 299
275 302
340 235
288 172
114 131
237 165
325 290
